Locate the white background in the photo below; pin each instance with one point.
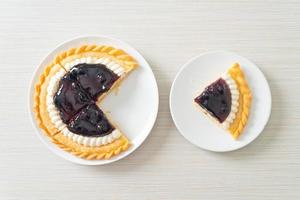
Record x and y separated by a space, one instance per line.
167 33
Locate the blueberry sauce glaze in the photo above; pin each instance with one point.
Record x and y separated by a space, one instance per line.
75 99
216 100
70 97
90 121
94 78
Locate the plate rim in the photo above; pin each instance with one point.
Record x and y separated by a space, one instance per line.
186 64
52 147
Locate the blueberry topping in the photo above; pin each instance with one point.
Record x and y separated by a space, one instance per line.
90 121
75 99
94 78
70 98
216 99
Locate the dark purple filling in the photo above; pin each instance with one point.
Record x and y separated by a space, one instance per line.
75 99
90 121
70 97
94 78
216 100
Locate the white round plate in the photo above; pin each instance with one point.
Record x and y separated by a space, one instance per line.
198 128
133 109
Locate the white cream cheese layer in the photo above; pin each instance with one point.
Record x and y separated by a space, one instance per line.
234 100
51 108
113 66
54 113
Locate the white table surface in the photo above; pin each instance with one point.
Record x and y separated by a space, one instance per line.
167 33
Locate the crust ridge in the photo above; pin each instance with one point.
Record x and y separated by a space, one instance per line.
245 99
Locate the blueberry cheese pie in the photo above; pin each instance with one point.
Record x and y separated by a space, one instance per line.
227 101
67 95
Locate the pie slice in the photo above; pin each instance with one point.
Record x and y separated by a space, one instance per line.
227 101
66 97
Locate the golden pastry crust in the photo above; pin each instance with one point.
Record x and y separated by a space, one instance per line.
92 153
40 107
238 124
117 55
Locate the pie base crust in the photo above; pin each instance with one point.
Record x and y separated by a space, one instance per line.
40 107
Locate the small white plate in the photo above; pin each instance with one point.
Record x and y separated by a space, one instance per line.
133 109
198 128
